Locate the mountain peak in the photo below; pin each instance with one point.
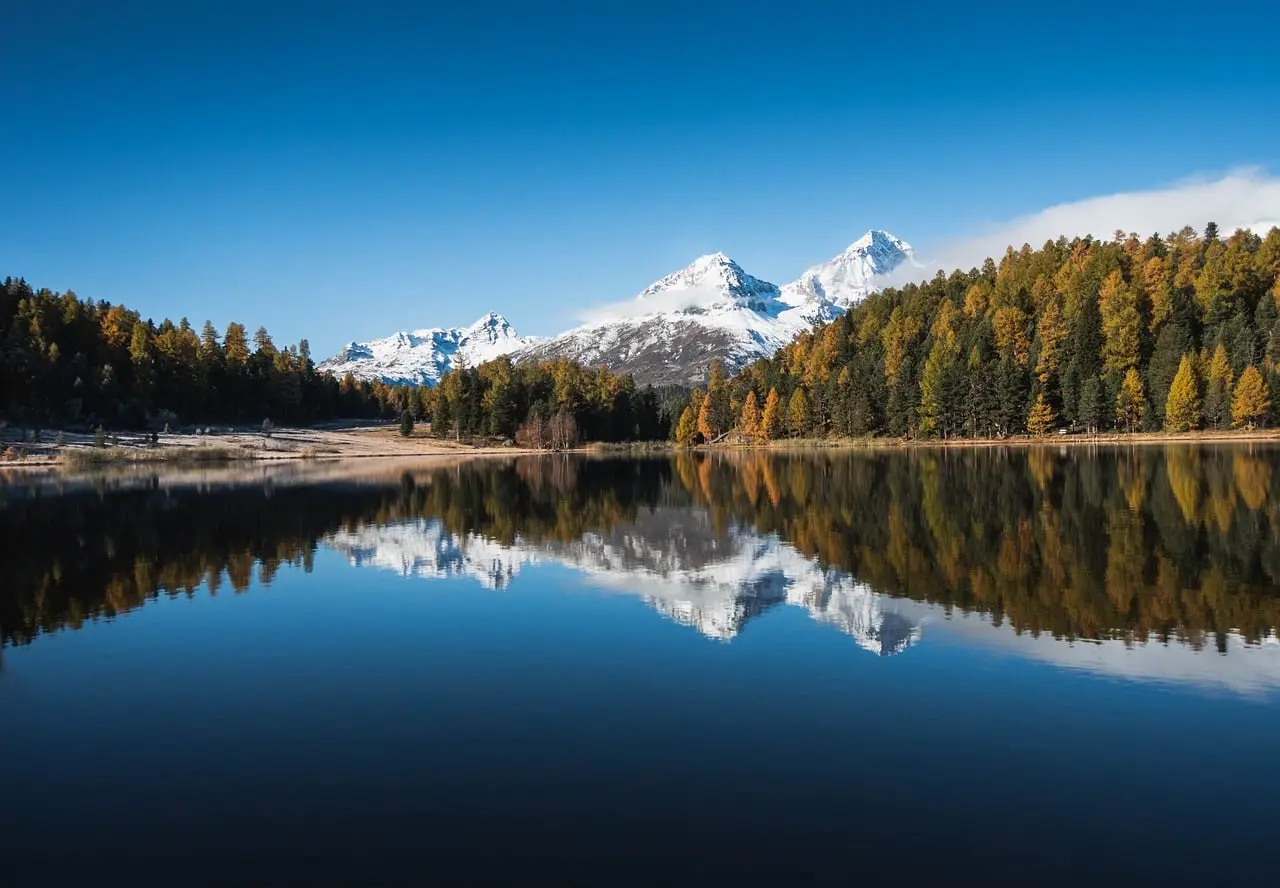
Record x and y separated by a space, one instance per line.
712 278
490 321
879 239
847 279
423 356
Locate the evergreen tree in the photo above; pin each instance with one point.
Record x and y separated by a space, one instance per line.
1091 408
406 423
1218 388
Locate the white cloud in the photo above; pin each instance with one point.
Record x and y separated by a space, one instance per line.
670 300
1246 198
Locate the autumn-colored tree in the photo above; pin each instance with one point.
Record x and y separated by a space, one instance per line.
705 426
750 421
1130 401
1052 332
1040 418
686 427
1121 325
896 337
1011 334
771 418
1156 279
937 398
1252 399
798 413
1182 408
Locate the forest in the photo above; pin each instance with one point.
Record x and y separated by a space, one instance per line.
1175 332
67 362
1163 333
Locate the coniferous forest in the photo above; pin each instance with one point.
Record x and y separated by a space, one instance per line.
71 362
1176 332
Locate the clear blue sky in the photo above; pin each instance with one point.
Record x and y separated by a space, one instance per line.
344 170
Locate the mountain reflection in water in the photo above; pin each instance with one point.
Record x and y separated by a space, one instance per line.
1145 562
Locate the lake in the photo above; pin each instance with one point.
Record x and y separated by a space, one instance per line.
1042 664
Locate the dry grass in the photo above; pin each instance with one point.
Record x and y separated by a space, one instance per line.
102 456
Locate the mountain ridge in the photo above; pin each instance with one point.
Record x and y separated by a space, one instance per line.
670 332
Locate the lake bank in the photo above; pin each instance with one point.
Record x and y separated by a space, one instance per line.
80 450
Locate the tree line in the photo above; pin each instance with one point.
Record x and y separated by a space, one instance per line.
1176 332
67 362
541 404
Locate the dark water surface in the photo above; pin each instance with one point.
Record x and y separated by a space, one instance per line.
1039 665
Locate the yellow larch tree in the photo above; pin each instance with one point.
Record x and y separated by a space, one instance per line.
1252 399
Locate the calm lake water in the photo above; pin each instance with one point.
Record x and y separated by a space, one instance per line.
1042 665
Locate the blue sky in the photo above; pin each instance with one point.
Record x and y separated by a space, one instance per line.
343 170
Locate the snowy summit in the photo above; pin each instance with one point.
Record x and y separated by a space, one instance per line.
421 357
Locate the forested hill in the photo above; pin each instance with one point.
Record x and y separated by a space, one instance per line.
1176 332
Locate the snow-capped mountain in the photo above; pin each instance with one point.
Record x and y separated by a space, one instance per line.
669 333
714 309
848 278
421 357
673 559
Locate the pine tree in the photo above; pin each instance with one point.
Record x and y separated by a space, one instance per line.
1171 344
1091 410
443 418
1130 402
1041 418
1217 395
771 418
406 423
750 422
1182 408
1252 400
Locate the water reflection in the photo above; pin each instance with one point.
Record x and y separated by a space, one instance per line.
1146 561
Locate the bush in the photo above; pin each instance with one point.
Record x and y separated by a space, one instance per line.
99 437
406 424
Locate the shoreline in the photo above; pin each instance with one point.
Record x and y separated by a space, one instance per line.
383 441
